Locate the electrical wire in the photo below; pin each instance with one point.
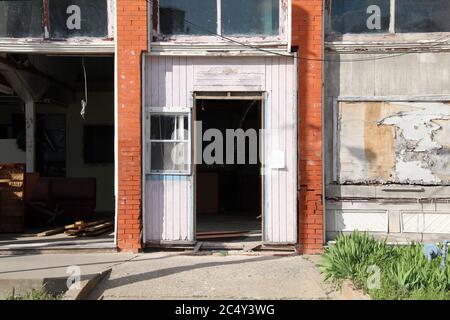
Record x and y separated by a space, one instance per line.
386 55
84 101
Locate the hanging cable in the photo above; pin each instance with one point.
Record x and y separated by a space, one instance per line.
84 101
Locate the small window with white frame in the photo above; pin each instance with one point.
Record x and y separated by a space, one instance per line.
168 141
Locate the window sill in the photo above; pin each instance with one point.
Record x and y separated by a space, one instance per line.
70 45
219 48
366 43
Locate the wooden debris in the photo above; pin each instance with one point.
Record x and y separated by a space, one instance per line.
82 228
51 232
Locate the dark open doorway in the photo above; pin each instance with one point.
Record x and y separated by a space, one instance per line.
229 193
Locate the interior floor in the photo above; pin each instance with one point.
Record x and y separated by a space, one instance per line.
228 195
29 240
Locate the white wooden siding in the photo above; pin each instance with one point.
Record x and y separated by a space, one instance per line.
171 82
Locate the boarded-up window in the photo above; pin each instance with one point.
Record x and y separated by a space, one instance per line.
422 16
392 142
74 18
20 19
360 16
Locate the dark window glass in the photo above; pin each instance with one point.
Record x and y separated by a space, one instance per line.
75 18
258 17
99 144
195 17
422 16
350 16
19 19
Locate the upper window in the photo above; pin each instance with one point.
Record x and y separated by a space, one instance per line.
383 16
422 16
360 16
20 19
53 19
225 17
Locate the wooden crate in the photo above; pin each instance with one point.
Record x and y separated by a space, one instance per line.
12 211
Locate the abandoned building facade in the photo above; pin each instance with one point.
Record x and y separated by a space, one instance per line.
111 106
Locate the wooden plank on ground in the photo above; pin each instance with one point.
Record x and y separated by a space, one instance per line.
51 232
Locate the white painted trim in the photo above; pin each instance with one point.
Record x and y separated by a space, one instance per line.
66 47
334 152
143 159
219 17
217 49
296 160
392 17
289 27
166 110
116 134
111 7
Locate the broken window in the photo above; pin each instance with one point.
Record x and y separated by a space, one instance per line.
195 17
422 16
168 143
19 19
250 17
227 17
73 18
360 16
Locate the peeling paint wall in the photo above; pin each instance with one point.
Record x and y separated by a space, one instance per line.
392 142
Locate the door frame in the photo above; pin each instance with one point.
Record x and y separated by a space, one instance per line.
259 95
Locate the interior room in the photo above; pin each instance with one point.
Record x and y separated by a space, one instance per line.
57 151
229 193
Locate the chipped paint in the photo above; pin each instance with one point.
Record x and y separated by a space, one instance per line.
398 142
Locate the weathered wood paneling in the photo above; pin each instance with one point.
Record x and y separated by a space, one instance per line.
171 82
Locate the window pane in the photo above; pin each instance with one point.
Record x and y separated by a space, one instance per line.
75 18
169 156
19 19
422 16
175 15
258 17
162 127
351 16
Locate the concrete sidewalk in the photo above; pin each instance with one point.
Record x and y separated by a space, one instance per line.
171 275
22 273
164 275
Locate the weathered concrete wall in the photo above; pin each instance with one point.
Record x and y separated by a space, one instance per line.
387 124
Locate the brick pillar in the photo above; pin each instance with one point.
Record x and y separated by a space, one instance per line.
131 42
307 18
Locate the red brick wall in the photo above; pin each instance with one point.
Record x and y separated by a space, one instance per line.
307 35
131 42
